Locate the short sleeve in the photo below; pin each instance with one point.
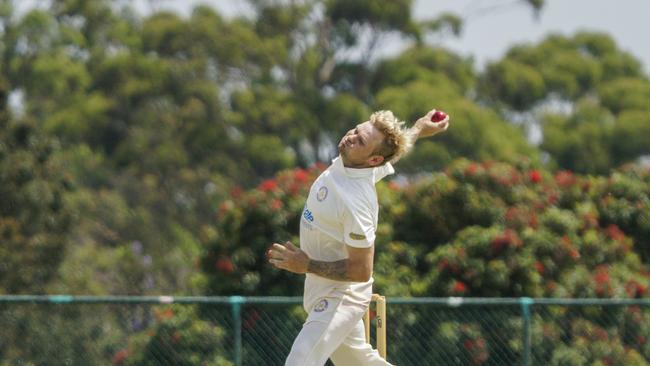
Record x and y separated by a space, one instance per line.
383 171
358 228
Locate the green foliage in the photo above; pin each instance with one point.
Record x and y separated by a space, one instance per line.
513 83
177 336
569 67
434 66
625 94
380 14
35 220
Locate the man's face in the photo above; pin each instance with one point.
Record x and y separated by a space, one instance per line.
358 144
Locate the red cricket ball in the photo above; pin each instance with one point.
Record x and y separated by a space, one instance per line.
438 116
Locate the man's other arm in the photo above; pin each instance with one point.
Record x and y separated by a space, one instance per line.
356 268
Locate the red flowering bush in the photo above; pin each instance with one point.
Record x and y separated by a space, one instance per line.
246 225
498 230
493 229
588 344
477 229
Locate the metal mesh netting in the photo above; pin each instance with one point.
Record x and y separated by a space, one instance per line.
260 331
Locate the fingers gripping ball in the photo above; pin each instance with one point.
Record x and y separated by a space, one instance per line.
438 116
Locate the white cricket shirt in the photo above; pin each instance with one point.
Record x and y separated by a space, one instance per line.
341 209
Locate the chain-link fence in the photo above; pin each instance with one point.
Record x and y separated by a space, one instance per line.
65 330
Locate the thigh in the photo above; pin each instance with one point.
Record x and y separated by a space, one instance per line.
327 325
355 351
305 346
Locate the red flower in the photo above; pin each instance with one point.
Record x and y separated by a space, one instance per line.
602 279
498 244
565 178
166 314
615 233
512 214
268 185
539 266
468 344
602 275
443 265
508 238
458 288
535 176
276 204
635 289
601 334
236 192
120 356
471 169
301 175
225 265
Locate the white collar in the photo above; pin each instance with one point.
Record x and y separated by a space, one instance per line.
337 165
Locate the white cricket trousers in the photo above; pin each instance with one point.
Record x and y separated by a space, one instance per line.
334 329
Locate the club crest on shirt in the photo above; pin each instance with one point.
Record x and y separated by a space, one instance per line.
321 306
322 194
355 236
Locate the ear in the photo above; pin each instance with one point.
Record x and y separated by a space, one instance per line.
375 160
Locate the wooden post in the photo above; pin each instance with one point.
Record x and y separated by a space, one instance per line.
380 307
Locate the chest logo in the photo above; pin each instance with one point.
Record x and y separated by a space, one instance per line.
321 306
322 194
355 236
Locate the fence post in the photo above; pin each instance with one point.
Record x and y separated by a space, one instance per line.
526 302
235 303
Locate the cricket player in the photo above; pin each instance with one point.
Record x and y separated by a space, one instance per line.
337 235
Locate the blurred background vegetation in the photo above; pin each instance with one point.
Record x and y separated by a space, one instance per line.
161 154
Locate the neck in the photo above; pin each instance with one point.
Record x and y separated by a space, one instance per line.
348 164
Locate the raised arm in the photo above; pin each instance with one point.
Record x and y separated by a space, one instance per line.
425 127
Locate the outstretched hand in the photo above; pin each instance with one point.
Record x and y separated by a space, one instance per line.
425 127
288 257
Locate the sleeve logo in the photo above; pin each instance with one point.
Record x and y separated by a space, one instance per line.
308 215
355 236
322 194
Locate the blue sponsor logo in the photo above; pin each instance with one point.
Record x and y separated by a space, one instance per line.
308 215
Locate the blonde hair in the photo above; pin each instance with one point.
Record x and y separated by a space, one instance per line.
398 140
